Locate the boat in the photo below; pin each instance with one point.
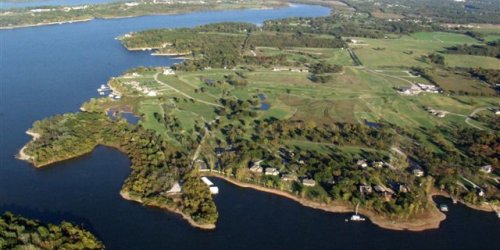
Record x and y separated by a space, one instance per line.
498 214
356 217
443 208
101 93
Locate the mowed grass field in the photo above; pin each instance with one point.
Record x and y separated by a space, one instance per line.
355 95
337 56
407 50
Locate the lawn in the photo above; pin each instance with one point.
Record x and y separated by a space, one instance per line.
407 50
472 61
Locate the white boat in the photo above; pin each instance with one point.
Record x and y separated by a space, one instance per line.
357 217
498 215
443 208
101 93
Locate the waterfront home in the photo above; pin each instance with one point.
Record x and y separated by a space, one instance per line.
272 171
256 168
487 169
309 182
288 177
176 189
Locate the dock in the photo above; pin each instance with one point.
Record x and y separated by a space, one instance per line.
213 189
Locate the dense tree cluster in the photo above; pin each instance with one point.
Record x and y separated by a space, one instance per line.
17 232
155 164
223 45
491 49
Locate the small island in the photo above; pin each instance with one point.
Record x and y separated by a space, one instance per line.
17 232
343 120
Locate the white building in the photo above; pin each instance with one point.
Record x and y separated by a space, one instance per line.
272 171
168 71
309 182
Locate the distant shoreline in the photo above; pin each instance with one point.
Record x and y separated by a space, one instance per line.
175 12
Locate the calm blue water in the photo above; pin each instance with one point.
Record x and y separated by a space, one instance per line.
9 5
53 69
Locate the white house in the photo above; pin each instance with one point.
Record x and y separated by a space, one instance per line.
309 182
272 171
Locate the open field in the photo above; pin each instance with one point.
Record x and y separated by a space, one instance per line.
310 55
407 50
469 61
460 84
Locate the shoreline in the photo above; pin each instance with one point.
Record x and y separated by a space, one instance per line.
431 221
44 24
21 155
125 195
178 12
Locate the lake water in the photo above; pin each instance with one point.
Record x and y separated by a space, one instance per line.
9 5
53 69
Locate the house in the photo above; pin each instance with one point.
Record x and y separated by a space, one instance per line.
378 164
487 169
168 71
288 177
413 90
401 188
272 171
256 169
309 182
418 172
365 189
362 163
379 189
176 189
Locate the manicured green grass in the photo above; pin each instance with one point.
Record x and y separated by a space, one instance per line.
407 50
147 109
472 61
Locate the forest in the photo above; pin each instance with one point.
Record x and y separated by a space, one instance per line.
155 164
17 232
